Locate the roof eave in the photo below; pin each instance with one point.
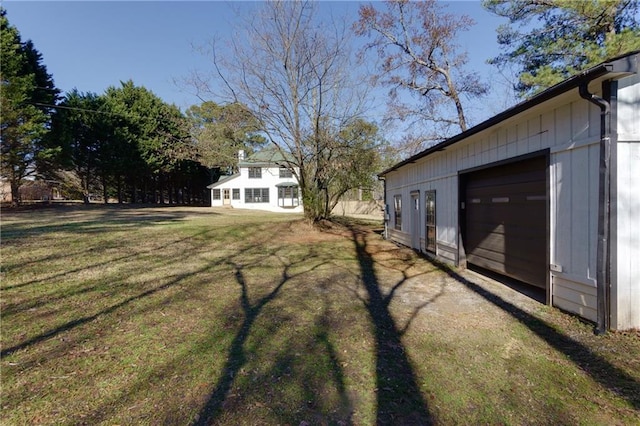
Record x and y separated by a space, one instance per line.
619 66
223 179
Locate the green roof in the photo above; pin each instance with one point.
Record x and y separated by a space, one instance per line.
267 156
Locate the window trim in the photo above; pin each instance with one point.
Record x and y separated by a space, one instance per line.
256 195
285 172
255 172
397 212
293 199
430 223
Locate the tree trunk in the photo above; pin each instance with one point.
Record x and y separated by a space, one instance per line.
119 189
161 182
15 193
145 190
104 189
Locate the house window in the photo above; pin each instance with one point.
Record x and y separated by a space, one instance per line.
216 194
430 221
397 206
256 195
255 172
236 194
285 173
288 196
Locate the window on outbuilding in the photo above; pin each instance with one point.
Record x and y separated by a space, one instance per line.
236 194
430 220
397 208
255 172
216 194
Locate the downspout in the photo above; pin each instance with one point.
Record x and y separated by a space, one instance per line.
603 261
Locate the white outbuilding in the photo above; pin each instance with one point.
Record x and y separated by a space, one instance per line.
543 193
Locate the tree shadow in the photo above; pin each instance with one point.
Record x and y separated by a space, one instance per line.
399 398
46 335
299 380
601 370
286 367
89 318
91 219
236 356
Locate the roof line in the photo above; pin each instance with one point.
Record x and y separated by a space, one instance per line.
627 63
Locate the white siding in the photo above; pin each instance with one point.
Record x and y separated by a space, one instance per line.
628 109
570 129
625 294
269 179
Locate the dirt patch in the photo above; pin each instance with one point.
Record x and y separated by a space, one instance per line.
302 231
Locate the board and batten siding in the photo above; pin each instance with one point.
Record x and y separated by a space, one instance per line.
569 128
574 182
625 294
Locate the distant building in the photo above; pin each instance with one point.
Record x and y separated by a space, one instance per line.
265 181
31 190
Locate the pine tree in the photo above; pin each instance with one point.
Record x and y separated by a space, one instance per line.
27 94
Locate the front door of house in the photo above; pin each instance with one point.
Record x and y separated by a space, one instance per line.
226 197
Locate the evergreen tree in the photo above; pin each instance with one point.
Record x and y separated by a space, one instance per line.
82 128
573 36
27 95
149 140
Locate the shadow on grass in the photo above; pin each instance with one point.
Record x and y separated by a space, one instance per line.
89 318
399 398
125 215
602 371
287 370
236 356
295 378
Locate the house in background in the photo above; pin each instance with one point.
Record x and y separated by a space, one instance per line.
544 193
265 181
31 190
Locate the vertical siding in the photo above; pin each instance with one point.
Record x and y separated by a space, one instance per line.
629 109
574 204
570 128
625 293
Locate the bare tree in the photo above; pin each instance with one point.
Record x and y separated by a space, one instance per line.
415 41
293 72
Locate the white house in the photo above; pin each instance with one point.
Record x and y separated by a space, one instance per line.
544 193
265 181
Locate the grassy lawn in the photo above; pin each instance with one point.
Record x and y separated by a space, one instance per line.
116 315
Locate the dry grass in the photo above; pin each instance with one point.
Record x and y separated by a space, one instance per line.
115 315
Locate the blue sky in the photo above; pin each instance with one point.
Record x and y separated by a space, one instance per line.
93 45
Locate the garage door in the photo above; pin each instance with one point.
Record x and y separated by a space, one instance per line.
505 220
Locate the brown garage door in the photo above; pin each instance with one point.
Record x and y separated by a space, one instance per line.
505 220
